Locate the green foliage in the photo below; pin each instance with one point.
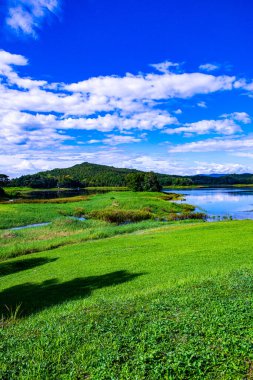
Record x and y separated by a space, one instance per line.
187 215
143 182
85 174
4 180
67 181
121 216
135 181
36 181
151 182
93 175
2 193
16 214
114 207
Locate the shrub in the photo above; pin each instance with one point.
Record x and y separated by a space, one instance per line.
9 235
171 197
188 207
187 215
79 212
121 216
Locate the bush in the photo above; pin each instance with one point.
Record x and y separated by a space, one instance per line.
187 215
79 212
121 216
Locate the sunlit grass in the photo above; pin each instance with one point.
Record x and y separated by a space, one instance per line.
173 302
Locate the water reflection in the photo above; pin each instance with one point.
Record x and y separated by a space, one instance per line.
221 202
213 198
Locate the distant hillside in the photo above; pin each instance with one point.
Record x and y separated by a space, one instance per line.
93 174
214 175
228 179
87 174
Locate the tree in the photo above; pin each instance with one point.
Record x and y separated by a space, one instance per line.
2 193
68 181
135 181
143 182
4 180
151 182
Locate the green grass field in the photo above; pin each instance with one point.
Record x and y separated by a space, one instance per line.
147 209
38 211
162 301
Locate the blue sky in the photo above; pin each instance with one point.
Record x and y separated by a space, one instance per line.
150 84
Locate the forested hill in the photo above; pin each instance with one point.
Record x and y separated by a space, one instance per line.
87 174
93 174
84 174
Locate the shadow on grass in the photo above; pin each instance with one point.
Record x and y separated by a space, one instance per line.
21 265
34 297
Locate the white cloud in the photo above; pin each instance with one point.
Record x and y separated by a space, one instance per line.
153 86
26 16
208 67
244 85
7 59
202 104
217 167
164 67
37 115
213 145
242 117
129 94
228 125
116 140
244 154
224 127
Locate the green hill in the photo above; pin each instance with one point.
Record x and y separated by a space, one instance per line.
87 174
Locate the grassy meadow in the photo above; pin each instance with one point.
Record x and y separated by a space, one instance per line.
107 215
153 299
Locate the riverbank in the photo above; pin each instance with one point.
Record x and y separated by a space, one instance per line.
33 193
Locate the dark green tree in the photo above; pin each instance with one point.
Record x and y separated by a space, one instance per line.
151 182
135 181
68 181
4 180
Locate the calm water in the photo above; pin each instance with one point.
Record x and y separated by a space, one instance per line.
221 202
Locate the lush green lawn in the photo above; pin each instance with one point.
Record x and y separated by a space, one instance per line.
173 302
63 231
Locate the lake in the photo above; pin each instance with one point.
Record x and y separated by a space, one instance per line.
220 202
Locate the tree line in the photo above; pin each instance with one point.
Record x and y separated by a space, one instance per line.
86 174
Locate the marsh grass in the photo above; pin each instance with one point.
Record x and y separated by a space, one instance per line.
120 216
105 212
187 215
63 231
61 200
29 212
